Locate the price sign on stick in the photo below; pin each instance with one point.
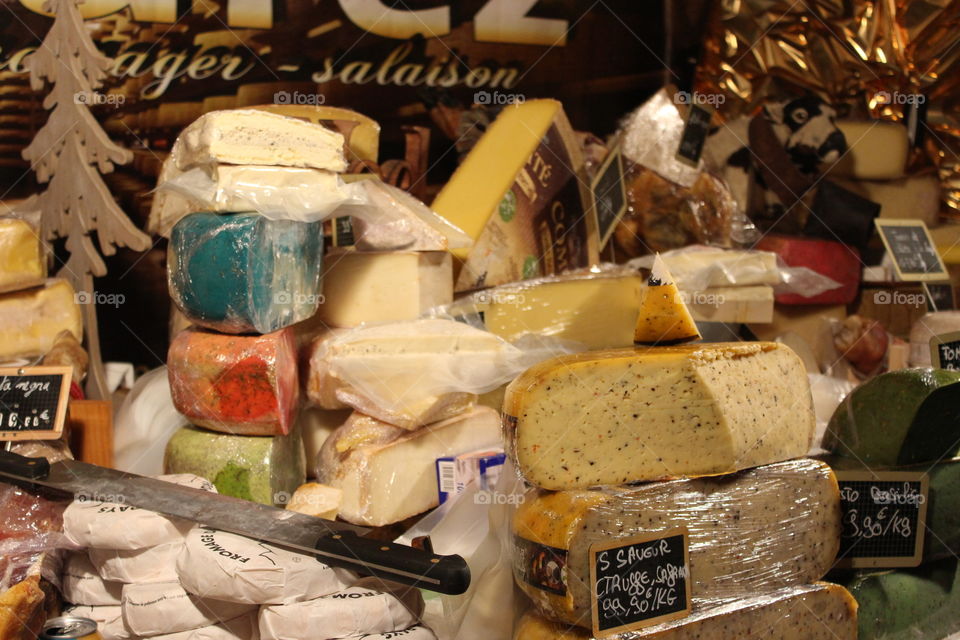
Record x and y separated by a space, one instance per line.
33 402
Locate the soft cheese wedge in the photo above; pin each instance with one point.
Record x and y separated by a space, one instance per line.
818 611
630 415
248 136
753 532
387 474
664 318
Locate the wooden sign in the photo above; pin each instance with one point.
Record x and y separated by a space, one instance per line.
912 249
33 402
641 581
945 351
883 518
609 194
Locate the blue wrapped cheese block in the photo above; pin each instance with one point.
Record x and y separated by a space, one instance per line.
243 273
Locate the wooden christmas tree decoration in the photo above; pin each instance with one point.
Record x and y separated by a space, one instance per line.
69 153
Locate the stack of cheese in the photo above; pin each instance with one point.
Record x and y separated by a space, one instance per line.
245 278
583 428
147 576
34 310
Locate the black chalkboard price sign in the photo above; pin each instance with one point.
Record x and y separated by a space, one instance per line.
638 582
883 518
694 136
945 351
912 249
33 402
609 194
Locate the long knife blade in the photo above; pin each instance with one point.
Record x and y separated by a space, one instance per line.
335 543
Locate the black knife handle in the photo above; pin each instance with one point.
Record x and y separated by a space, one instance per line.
23 467
443 574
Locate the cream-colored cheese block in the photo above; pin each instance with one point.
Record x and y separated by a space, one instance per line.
81 584
22 262
752 532
932 324
629 415
152 609
388 474
876 150
706 268
248 136
360 286
362 132
820 611
731 304
595 310
316 425
915 197
318 500
30 320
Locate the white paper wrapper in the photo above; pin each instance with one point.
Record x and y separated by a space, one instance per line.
224 566
354 611
166 607
156 564
418 632
81 584
105 522
109 620
241 628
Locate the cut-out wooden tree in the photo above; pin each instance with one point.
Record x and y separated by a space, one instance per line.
69 154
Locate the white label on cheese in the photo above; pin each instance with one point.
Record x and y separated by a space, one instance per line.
166 607
156 564
351 612
109 620
224 566
81 584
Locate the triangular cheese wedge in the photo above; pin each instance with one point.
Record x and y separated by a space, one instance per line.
664 318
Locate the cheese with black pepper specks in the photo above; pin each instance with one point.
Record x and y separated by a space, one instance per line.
664 318
752 532
819 611
631 415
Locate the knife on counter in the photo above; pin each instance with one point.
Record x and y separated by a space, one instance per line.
337 544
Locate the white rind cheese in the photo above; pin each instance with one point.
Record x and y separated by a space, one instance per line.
631 415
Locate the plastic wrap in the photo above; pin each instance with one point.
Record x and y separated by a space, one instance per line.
30 528
836 263
22 262
818 611
828 392
242 273
242 385
924 329
413 373
863 343
900 417
651 137
763 529
144 423
31 320
388 474
165 607
249 467
662 412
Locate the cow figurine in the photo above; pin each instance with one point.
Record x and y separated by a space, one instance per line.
770 160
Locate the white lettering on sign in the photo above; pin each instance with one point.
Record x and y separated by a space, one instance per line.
507 21
374 16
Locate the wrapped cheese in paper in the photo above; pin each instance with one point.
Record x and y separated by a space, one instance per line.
152 609
152 564
81 584
103 524
243 627
759 530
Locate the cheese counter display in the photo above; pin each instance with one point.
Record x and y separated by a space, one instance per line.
437 351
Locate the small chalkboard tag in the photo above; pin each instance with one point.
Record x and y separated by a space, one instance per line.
883 518
945 351
641 581
694 136
343 232
939 296
609 194
33 402
912 249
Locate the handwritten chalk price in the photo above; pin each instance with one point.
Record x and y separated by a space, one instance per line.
33 402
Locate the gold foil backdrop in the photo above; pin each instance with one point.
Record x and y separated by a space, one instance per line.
871 59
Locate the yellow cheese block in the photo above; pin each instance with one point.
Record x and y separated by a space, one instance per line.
361 133
819 611
30 320
631 415
876 150
664 318
21 257
595 310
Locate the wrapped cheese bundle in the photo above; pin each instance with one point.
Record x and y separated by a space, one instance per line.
165 607
819 611
32 319
388 474
244 385
81 584
630 415
152 564
900 417
22 261
242 272
243 627
756 531
101 524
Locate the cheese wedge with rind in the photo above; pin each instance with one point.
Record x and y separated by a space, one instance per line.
631 415
664 318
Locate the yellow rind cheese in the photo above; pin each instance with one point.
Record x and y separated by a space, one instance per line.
664 318
21 258
30 320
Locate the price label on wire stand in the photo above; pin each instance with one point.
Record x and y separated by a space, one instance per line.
33 402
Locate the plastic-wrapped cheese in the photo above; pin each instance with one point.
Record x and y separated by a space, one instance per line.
153 609
225 566
819 611
930 325
81 584
242 272
153 564
388 474
243 385
254 468
755 531
900 417
31 320
629 415
22 261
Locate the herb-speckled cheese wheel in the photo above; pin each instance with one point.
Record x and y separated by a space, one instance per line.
812 612
749 533
630 415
